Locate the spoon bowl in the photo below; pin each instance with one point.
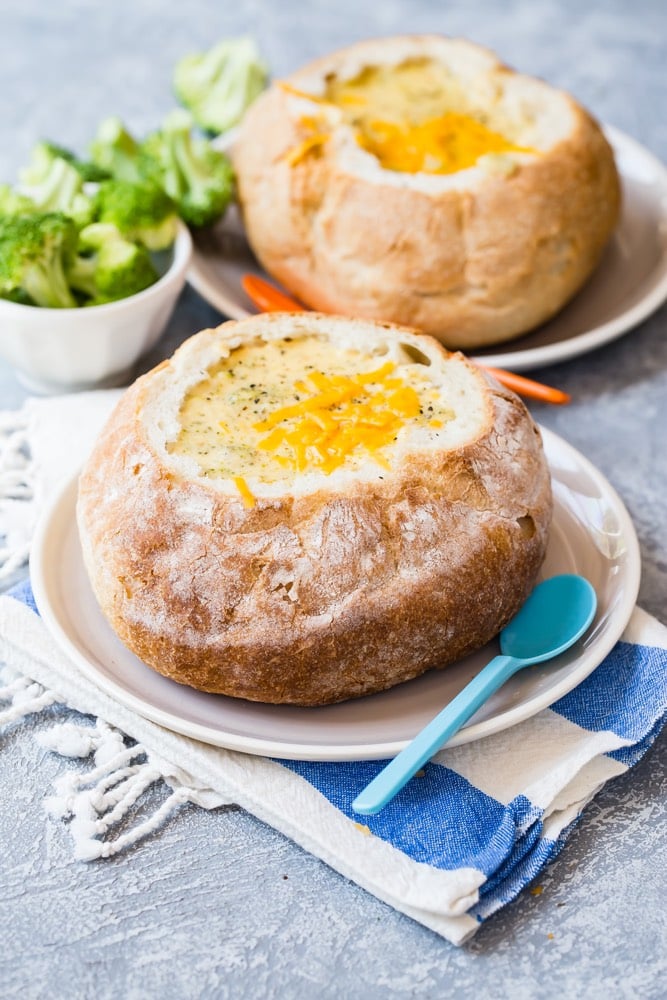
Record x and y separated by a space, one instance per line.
557 613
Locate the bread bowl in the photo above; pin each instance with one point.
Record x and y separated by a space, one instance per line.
301 508
418 180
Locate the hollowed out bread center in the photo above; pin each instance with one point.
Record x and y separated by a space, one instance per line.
417 117
275 414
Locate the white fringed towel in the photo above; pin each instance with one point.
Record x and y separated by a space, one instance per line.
457 843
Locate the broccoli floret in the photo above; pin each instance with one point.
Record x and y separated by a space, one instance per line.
123 269
217 86
116 151
116 267
54 185
12 202
34 252
143 213
94 236
80 276
197 177
18 295
87 170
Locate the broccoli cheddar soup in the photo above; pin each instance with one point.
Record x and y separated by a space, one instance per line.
416 117
271 410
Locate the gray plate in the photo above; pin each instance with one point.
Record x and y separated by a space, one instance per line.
592 534
629 284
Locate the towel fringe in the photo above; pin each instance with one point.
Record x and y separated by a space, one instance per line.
12 558
96 801
17 484
23 697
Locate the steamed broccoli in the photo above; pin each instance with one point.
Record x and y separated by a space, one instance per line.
81 278
94 236
34 252
12 202
110 267
87 170
123 269
116 151
197 177
217 86
54 185
18 295
143 213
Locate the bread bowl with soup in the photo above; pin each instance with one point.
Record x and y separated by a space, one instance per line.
419 180
303 509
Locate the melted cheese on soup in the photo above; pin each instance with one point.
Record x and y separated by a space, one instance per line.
414 118
274 409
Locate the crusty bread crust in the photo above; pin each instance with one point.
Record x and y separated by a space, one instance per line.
475 258
315 595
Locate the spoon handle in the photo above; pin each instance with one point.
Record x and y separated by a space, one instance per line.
426 743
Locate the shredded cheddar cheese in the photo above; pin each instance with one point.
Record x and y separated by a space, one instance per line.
339 415
363 829
306 146
414 117
246 496
289 88
439 145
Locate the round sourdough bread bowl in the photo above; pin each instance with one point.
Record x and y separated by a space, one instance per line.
303 508
418 180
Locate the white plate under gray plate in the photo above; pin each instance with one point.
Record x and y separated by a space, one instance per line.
629 284
592 535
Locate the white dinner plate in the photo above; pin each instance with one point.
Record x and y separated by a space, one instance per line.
592 535
629 284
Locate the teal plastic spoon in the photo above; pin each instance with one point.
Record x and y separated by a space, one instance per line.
555 615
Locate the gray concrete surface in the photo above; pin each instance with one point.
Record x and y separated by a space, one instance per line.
218 905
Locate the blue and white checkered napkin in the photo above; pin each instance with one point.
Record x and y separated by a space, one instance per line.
456 844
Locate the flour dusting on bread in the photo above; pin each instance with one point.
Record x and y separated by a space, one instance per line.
340 543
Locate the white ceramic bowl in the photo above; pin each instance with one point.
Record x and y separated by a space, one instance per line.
65 350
